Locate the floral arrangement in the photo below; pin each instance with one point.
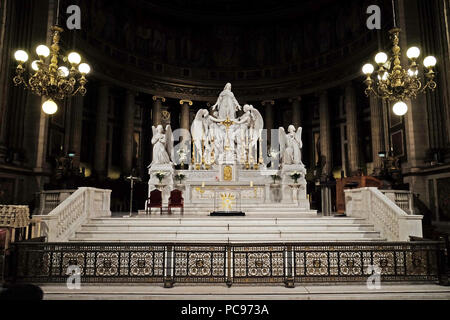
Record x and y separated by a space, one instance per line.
181 154
180 177
275 177
160 175
295 175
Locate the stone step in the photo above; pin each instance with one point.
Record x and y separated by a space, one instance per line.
179 220
256 229
230 227
227 235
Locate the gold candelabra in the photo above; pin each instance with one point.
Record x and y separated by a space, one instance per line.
49 79
394 82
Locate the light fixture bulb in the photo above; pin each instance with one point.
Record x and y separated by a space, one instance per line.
63 71
381 58
34 65
413 53
400 108
413 73
84 68
74 58
384 77
42 51
21 56
429 62
49 107
368 69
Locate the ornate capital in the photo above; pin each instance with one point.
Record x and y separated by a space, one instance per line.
268 103
186 101
159 97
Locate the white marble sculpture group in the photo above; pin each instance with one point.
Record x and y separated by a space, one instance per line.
226 153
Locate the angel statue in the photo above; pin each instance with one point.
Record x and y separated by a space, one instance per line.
227 104
162 145
252 124
291 145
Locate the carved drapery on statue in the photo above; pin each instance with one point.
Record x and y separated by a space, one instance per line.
221 135
291 145
162 145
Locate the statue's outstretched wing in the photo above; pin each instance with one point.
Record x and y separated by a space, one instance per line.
153 133
197 125
258 124
298 136
169 142
282 140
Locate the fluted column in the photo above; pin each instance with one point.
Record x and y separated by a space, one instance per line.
352 129
156 111
268 118
296 111
376 118
76 129
127 132
325 131
101 130
185 104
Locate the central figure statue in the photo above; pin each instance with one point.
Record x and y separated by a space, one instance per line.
227 104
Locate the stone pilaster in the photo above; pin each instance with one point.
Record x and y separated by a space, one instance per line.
76 128
127 132
352 129
376 118
268 118
100 165
325 132
296 111
156 110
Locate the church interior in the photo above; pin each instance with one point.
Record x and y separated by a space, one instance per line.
145 112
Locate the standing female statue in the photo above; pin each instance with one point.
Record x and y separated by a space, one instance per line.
291 145
162 145
227 104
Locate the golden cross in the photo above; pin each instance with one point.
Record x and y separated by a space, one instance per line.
227 123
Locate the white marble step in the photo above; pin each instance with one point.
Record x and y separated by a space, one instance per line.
266 234
207 220
226 228
248 212
249 209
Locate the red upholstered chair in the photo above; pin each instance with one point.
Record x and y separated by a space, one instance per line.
155 201
176 200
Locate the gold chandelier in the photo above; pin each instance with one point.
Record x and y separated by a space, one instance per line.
395 83
49 79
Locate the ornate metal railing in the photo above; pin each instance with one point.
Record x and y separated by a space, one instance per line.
296 263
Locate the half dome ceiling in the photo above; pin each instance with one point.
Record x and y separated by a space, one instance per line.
235 11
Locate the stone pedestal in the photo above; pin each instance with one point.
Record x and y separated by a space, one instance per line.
294 192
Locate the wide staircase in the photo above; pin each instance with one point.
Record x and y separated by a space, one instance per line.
371 216
277 228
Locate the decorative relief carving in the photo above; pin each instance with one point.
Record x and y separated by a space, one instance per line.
227 173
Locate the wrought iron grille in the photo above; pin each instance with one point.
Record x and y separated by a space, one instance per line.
294 263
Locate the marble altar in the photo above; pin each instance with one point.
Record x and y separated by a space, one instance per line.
227 153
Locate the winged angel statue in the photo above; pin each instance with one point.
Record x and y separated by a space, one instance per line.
253 124
291 145
162 145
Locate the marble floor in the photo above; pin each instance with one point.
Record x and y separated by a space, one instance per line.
219 292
